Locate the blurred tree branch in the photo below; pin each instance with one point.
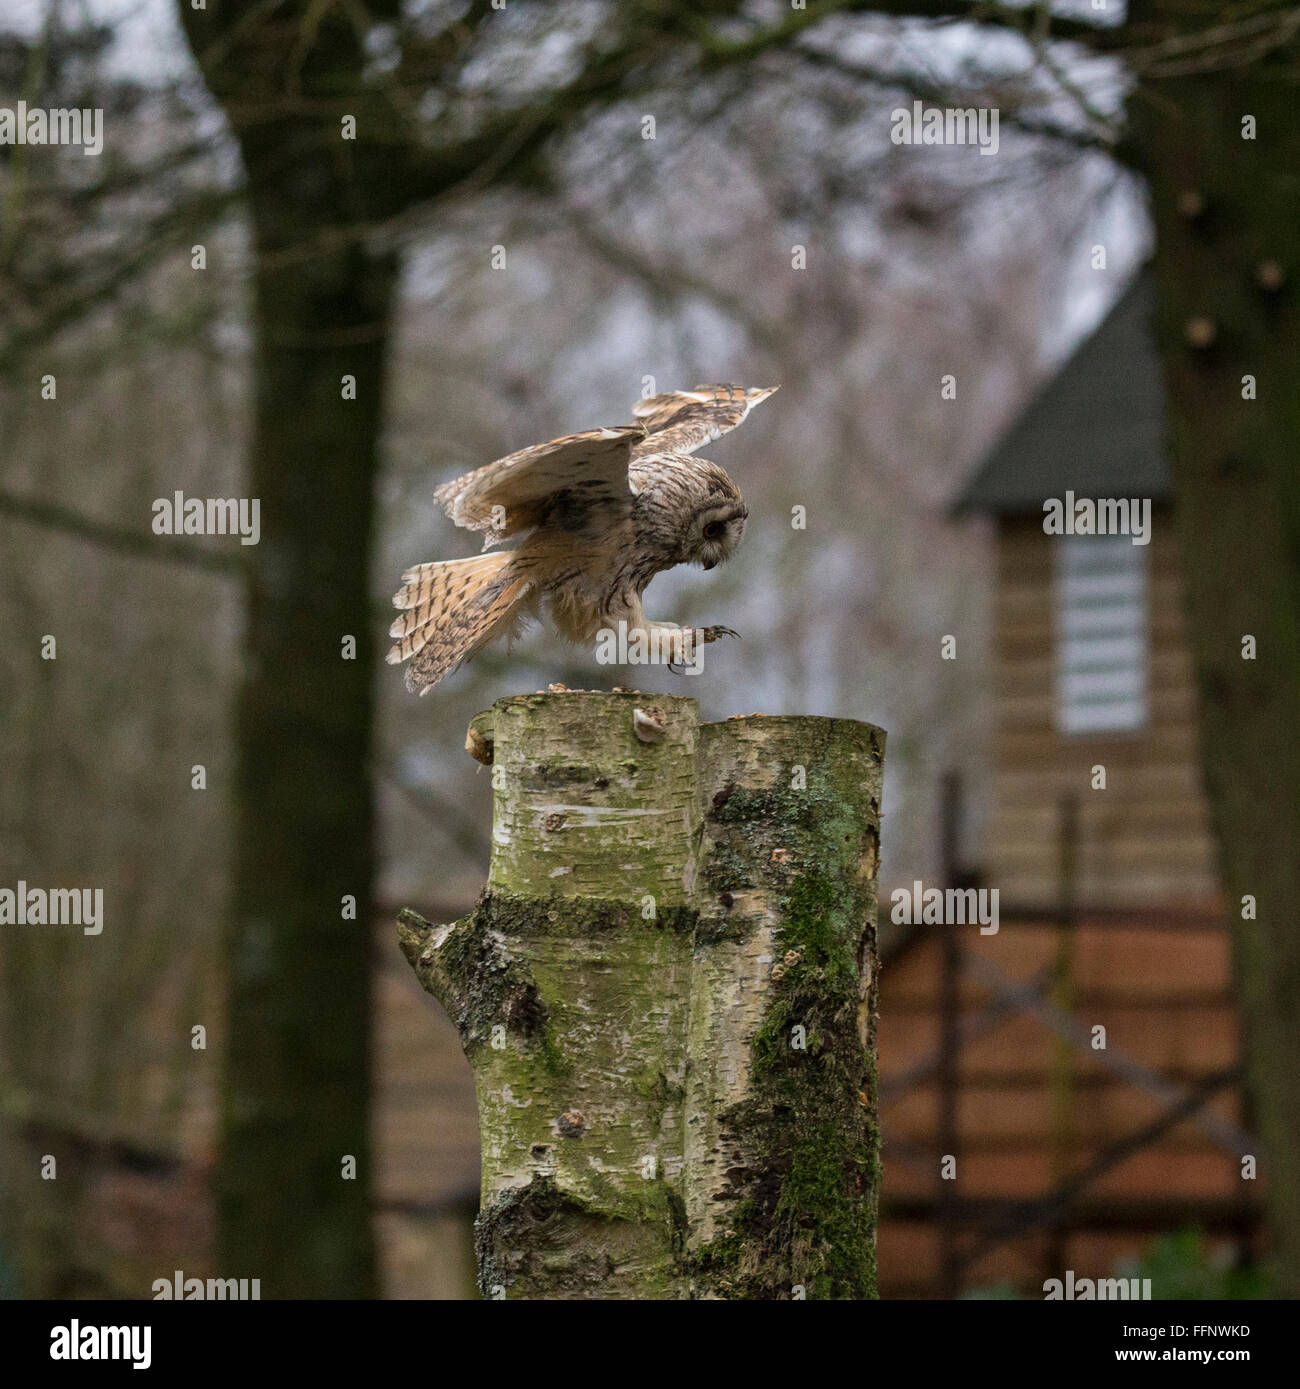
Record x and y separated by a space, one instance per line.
164 549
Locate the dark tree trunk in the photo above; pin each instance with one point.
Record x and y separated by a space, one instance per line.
295 1103
1228 259
296 1097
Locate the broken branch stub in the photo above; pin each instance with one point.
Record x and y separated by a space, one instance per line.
667 994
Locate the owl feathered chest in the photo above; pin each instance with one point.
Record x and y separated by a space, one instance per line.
603 551
590 564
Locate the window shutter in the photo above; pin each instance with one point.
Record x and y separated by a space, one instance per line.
1101 634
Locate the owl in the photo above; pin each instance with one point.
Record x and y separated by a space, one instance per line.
596 515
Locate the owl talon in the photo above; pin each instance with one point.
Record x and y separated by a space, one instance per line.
714 633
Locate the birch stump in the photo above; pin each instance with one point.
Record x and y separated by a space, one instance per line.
667 992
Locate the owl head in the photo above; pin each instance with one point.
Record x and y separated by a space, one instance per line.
715 531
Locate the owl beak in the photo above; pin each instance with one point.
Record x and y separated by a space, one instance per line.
712 564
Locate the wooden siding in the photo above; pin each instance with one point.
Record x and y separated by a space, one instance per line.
1147 837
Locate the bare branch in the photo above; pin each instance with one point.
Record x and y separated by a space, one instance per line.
136 544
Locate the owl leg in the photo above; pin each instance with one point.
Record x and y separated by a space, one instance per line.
669 643
666 642
682 643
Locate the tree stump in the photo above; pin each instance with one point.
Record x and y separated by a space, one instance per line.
667 992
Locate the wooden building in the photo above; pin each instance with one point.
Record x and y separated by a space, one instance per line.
1090 662
1073 1145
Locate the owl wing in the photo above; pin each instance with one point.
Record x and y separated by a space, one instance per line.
567 478
683 421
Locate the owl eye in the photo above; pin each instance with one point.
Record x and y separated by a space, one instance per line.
713 531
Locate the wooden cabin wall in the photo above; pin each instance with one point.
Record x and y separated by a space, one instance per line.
1146 839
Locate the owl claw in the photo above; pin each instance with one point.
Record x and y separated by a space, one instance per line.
704 635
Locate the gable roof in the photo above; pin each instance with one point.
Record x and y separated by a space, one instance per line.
1095 428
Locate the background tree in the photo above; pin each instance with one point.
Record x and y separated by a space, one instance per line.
1214 130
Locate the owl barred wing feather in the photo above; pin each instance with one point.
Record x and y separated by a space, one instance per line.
518 492
450 609
683 421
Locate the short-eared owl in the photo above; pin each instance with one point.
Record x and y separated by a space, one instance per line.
598 515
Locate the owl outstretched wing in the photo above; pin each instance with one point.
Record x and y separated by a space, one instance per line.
559 482
683 421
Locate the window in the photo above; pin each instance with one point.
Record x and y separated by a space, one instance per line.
1101 634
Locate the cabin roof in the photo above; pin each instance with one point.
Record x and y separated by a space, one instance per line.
1095 427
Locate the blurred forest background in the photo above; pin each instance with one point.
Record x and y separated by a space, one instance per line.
499 255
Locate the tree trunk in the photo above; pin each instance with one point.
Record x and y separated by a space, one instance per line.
667 993
1228 256
294 1177
297 1050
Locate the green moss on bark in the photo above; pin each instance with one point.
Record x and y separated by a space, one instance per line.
804 1214
522 917
808 1215
540 1241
